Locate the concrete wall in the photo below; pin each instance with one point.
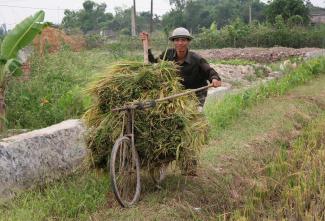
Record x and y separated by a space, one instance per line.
39 156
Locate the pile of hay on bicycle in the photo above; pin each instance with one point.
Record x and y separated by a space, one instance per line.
173 130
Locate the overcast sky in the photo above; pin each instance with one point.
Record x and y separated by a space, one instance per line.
13 11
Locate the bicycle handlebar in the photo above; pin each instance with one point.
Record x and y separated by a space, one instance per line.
153 103
137 105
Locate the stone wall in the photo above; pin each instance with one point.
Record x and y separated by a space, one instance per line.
40 156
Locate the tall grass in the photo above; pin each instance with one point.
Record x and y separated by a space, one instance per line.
294 181
54 90
224 112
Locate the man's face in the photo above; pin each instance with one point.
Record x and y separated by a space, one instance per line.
181 44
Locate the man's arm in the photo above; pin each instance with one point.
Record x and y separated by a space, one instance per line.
210 72
152 58
144 36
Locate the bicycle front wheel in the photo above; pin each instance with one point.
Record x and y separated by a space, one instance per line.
125 172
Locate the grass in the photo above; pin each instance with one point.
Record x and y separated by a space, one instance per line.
63 98
224 112
233 62
73 197
292 184
235 176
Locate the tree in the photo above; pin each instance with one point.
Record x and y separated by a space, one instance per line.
70 20
287 9
197 15
179 4
257 10
91 17
227 11
16 39
121 20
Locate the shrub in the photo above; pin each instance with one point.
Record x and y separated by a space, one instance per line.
54 91
238 34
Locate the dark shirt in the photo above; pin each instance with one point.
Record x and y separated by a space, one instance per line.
195 70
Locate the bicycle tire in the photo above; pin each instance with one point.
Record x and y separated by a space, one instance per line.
125 172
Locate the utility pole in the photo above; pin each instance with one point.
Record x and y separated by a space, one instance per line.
250 12
133 15
151 17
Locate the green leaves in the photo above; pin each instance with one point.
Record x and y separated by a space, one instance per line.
22 35
12 67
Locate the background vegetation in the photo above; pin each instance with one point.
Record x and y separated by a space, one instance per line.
54 90
214 23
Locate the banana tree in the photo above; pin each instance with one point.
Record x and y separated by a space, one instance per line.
19 37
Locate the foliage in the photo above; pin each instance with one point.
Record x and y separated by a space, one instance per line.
91 17
295 20
94 41
22 35
30 105
238 34
19 37
287 9
195 15
57 200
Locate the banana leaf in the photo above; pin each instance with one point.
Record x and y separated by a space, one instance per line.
13 67
22 35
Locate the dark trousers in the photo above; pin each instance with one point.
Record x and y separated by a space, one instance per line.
201 95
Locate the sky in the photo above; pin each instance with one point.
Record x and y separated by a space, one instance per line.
14 11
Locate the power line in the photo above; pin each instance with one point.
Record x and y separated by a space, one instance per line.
16 6
61 9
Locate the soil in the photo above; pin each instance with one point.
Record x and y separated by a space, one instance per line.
263 55
53 39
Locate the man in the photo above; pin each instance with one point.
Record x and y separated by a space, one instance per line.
194 70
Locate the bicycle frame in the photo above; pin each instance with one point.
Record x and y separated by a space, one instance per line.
129 124
125 146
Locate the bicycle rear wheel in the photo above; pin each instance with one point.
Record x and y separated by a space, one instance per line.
125 172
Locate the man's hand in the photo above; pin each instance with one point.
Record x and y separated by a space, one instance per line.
144 36
216 83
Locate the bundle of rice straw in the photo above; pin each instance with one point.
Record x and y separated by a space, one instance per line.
171 130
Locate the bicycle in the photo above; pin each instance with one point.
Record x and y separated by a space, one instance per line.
124 163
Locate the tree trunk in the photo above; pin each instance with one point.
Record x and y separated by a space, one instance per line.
133 23
250 13
151 17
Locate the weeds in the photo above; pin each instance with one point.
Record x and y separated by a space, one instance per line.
224 112
54 90
74 198
234 62
294 187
